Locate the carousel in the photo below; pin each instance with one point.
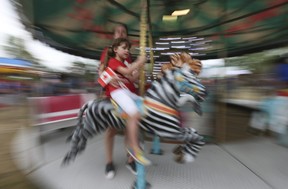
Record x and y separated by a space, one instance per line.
158 30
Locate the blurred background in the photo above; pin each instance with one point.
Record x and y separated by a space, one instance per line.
51 49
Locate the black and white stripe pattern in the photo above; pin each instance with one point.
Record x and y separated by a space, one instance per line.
99 114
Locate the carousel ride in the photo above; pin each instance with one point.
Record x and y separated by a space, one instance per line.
200 36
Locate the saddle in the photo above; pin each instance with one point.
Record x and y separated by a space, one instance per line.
119 112
142 105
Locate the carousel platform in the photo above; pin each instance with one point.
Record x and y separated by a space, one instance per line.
254 163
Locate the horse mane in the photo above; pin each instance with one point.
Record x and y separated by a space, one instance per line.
178 60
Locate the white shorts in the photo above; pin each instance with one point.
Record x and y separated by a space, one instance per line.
125 99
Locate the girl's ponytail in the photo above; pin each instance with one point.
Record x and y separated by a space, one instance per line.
105 63
107 56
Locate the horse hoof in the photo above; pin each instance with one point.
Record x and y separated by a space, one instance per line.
184 158
179 158
188 158
177 150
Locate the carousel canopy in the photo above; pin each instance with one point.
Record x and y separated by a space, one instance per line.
205 28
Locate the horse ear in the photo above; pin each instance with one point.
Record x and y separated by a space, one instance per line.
176 60
185 57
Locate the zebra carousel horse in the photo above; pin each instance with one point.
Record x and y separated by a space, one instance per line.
161 104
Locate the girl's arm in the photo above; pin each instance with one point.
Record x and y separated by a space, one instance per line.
128 71
134 77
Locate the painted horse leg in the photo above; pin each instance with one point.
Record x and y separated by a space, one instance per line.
193 143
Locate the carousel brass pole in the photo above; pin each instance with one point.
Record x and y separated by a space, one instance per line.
143 30
141 182
151 53
156 149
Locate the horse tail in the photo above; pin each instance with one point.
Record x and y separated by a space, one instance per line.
79 118
77 138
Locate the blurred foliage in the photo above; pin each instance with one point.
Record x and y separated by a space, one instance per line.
81 69
259 63
89 76
15 47
78 64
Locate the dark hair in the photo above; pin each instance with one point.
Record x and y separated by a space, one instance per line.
110 50
116 43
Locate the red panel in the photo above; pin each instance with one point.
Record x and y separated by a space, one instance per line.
62 103
283 92
3 105
58 118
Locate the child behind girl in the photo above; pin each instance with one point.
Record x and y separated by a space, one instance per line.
122 94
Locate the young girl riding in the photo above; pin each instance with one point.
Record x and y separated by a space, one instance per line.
122 94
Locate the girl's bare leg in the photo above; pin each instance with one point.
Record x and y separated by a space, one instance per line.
109 144
132 130
129 158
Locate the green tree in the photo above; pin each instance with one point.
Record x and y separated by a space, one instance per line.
77 68
15 47
87 72
258 63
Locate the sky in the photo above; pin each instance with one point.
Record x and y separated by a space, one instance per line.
52 58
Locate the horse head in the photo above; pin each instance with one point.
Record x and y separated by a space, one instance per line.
182 71
185 70
187 82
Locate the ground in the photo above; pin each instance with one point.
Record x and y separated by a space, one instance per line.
11 119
